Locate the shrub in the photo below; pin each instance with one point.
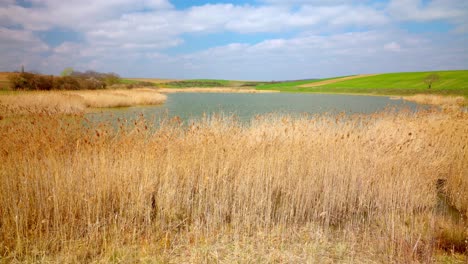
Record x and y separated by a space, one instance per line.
91 83
89 80
66 83
30 81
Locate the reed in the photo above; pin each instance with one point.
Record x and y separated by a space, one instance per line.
431 99
321 188
74 102
120 98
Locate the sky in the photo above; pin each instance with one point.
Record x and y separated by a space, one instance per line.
226 39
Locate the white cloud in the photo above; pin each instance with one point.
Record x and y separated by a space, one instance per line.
392 46
19 47
130 36
326 56
83 14
416 10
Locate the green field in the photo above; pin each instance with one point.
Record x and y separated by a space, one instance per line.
449 83
207 83
289 86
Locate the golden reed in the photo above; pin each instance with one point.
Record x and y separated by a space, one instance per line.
279 189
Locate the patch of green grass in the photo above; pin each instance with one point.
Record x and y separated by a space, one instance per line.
405 83
200 83
290 86
127 81
197 83
136 83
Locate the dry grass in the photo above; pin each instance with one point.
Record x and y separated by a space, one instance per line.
213 90
42 102
4 82
446 101
322 189
69 102
120 98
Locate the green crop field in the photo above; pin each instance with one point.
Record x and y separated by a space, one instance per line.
450 82
289 86
405 83
206 83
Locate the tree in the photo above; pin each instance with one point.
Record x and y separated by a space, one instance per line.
431 79
67 71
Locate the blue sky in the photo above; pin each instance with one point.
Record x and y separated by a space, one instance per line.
249 40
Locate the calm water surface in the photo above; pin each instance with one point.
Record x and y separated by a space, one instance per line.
189 106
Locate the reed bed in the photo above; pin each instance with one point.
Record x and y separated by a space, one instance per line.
74 102
280 189
120 98
431 99
41 102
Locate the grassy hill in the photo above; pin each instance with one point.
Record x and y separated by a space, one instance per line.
450 83
289 86
191 83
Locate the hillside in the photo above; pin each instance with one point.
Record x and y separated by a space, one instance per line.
450 82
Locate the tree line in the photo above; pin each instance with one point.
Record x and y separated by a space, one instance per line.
69 80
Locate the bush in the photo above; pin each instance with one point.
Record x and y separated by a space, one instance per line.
30 81
66 83
89 80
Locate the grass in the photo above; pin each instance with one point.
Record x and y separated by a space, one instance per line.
69 102
292 86
155 81
199 83
314 189
408 83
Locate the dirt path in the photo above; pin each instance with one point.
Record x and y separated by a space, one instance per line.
315 84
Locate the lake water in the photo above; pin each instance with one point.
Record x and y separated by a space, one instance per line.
190 106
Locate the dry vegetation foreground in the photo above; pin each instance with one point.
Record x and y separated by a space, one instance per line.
383 188
72 102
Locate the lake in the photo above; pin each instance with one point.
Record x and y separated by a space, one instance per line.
190 106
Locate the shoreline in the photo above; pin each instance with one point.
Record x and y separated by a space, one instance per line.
213 90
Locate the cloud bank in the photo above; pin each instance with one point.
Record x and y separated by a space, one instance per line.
268 39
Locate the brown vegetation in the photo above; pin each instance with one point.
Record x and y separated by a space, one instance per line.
69 102
431 99
317 189
89 80
4 83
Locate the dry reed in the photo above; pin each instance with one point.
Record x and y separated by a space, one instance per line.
72 102
441 100
120 98
321 189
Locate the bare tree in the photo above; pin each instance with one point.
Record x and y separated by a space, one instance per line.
431 79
